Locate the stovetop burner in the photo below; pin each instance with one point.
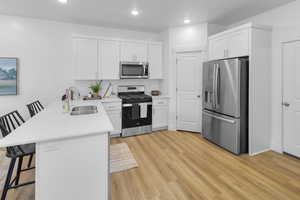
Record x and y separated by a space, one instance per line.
133 94
135 98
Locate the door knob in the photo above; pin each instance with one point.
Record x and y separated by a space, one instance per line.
198 96
286 104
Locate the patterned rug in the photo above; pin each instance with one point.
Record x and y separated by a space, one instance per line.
4 164
121 158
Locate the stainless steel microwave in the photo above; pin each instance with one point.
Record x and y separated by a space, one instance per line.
134 70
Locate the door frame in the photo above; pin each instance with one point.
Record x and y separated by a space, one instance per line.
282 134
177 53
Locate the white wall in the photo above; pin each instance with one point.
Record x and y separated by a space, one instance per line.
286 27
179 39
44 49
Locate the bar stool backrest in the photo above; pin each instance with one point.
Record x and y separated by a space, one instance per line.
34 108
8 123
11 121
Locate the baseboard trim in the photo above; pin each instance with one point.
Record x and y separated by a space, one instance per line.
116 135
260 152
163 128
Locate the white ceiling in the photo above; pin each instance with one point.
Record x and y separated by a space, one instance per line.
156 15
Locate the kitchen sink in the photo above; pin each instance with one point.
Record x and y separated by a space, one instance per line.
84 110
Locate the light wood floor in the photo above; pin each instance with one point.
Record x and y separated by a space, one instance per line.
184 166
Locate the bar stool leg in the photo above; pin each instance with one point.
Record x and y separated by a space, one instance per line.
8 178
19 170
30 160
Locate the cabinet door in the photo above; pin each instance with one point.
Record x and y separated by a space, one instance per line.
134 51
86 59
109 57
160 116
238 44
155 60
217 48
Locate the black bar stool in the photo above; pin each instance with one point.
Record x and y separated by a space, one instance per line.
8 123
35 108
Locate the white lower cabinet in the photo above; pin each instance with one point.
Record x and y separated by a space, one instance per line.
160 110
114 111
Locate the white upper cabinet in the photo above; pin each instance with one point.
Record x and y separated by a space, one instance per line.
217 48
99 59
229 45
238 44
86 59
133 51
109 57
155 60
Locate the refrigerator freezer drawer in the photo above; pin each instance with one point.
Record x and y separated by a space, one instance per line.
222 130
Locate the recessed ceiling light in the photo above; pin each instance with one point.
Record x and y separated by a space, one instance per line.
135 12
187 21
63 1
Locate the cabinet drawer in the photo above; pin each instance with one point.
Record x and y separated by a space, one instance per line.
112 106
160 102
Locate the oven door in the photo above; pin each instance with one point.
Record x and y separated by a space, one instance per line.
135 115
133 70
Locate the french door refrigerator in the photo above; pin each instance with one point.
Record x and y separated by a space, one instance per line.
225 103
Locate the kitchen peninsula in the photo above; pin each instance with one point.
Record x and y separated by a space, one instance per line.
72 152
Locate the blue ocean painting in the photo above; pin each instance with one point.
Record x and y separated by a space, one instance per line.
8 76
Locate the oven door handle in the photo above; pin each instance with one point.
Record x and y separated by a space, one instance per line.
130 105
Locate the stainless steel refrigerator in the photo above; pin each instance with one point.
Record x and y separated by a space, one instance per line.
225 103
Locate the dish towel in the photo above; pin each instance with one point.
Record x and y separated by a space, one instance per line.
144 110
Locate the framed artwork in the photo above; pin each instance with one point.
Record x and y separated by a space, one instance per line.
8 76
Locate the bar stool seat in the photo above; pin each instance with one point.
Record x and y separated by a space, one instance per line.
8 123
21 150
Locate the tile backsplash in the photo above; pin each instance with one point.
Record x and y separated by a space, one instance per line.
84 89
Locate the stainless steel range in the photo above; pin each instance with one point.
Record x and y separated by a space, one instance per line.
136 110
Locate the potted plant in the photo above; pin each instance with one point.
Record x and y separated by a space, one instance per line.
96 89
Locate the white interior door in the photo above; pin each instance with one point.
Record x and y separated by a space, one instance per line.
291 98
189 90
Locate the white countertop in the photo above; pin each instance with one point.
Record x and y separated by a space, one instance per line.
160 97
111 99
53 124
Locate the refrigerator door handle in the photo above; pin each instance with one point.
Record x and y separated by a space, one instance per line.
220 118
217 84
214 87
